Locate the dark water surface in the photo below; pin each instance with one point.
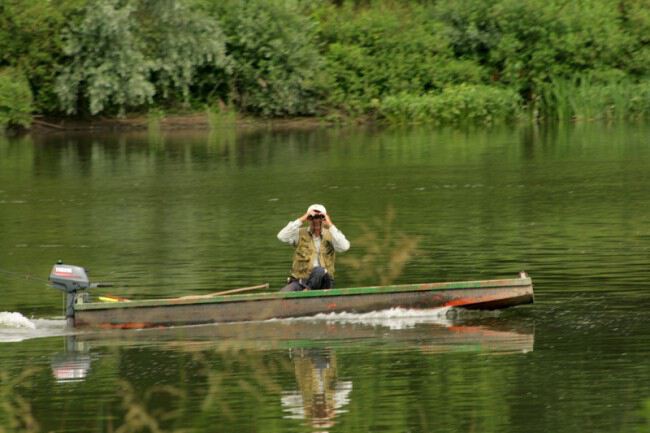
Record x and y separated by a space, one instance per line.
184 213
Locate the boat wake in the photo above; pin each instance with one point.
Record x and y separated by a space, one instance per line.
15 320
15 327
393 318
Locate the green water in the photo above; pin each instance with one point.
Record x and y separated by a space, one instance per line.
185 213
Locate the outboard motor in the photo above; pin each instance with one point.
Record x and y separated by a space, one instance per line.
69 279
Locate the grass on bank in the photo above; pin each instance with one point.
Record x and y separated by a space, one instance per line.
582 99
578 100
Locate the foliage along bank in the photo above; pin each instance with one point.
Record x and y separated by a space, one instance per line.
468 61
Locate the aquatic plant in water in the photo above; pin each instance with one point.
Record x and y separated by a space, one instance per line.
385 251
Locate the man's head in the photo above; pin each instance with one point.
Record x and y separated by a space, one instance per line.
316 209
316 214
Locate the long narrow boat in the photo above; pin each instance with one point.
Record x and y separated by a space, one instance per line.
486 294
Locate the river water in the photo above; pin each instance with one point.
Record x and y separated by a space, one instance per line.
194 212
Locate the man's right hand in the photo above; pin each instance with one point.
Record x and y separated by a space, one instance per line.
305 217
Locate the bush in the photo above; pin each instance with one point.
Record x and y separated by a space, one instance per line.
525 44
30 40
635 20
276 69
455 105
387 49
16 102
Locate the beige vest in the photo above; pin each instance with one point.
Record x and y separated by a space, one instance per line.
303 257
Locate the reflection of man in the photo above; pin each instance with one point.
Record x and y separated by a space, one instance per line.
316 248
321 395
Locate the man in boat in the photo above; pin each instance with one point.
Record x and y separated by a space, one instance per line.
316 248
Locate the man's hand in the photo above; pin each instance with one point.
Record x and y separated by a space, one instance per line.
305 217
327 222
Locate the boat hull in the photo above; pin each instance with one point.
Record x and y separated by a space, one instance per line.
489 295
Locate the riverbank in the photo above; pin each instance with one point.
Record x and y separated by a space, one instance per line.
398 62
174 122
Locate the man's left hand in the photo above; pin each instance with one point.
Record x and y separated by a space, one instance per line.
327 223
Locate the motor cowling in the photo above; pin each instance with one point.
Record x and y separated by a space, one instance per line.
73 281
69 278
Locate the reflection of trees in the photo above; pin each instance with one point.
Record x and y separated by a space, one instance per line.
15 410
645 412
141 416
257 376
174 388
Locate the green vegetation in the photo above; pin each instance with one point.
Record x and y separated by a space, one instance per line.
386 252
275 66
468 61
16 413
15 100
127 54
456 105
585 99
31 33
388 50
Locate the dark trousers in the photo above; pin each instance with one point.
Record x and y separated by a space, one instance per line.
318 279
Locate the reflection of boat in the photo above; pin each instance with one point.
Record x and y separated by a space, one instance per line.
302 338
432 335
488 294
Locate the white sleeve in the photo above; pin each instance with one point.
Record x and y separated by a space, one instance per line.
339 241
290 233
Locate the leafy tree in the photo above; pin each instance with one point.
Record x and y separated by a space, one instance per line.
30 37
636 22
107 62
527 44
179 40
276 66
126 52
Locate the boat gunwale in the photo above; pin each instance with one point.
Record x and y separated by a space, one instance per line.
253 297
